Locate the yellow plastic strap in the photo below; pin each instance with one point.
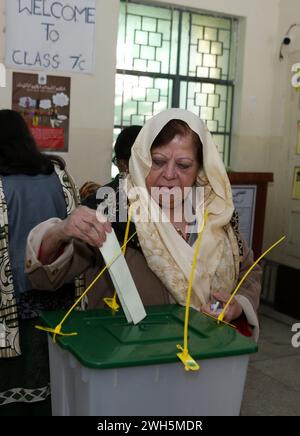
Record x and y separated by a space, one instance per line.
190 364
215 319
57 330
221 316
184 356
112 302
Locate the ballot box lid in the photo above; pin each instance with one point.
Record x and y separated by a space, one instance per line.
106 340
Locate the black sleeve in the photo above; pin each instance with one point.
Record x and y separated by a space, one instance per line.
90 201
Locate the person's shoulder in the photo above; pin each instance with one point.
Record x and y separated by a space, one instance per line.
90 201
114 183
58 162
93 200
108 188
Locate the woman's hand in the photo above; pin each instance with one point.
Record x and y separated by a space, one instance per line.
83 224
87 225
233 311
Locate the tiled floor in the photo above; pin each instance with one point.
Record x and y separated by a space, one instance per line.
273 381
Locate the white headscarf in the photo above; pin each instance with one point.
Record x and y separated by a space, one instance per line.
168 255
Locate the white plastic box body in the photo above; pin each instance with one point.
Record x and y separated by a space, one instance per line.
152 390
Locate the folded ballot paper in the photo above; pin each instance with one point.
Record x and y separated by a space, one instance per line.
124 285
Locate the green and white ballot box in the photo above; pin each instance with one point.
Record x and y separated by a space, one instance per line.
112 368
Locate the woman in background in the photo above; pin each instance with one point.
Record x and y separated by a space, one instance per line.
122 152
33 188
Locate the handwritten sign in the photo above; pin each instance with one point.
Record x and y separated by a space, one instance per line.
51 35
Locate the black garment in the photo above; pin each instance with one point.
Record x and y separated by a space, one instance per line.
92 202
26 376
119 227
25 389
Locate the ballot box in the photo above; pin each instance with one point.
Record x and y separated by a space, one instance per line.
112 368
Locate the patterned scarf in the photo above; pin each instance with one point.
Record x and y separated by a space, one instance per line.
167 253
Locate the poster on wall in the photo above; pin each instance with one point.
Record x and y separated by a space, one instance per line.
296 184
51 35
244 198
44 102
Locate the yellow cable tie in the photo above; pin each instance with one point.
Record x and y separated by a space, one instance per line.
216 319
190 364
187 360
112 302
221 316
58 327
112 260
55 331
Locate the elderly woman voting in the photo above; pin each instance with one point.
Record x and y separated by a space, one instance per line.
175 175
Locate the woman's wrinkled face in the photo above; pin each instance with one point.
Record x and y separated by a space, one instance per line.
174 167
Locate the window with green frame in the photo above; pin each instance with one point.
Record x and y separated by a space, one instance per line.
171 57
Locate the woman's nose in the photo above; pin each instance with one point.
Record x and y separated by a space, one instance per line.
170 172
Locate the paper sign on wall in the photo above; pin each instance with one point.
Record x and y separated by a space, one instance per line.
244 198
44 102
296 184
51 35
